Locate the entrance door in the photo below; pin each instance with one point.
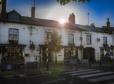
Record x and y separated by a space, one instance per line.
46 55
89 53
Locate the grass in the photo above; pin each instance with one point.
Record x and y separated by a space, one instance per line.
54 71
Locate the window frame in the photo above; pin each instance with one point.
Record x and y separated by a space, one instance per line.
88 39
105 40
13 34
70 38
49 36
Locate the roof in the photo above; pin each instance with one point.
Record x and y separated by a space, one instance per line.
14 17
38 22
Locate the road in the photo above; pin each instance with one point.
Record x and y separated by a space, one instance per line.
90 76
82 75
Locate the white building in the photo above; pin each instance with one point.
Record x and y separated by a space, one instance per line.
78 41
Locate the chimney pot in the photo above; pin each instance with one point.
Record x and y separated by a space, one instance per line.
72 18
3 11
33 12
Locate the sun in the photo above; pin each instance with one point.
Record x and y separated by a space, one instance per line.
62 21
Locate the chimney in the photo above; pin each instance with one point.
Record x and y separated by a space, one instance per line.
33 10
3 11
108 23
72 18
108 26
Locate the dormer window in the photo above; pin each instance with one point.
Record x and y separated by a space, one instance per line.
14 16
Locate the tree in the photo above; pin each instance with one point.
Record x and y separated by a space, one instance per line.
54 45
63 2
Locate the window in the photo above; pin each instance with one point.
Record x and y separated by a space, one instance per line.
88 39
71 39
113 37
48 36
13 34
104 40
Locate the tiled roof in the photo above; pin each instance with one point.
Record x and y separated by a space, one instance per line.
39 22
14 17
17 18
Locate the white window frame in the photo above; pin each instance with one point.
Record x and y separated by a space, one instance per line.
13 34
88 39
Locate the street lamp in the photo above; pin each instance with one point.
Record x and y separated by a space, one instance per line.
81 46
47 55
47 60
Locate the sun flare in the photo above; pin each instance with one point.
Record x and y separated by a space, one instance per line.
62 21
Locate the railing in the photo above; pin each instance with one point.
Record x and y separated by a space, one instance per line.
13 41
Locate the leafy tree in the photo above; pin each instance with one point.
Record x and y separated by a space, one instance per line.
63 2
54 45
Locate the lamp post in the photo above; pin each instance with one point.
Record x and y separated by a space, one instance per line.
47 60
47 55
88 17
81 45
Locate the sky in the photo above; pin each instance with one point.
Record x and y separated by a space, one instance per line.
99 10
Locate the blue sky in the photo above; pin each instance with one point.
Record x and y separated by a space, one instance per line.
49 9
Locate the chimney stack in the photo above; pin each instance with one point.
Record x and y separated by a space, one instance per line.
72 18
108 26
3 11
33 10
108 23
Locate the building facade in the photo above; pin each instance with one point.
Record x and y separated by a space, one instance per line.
25 38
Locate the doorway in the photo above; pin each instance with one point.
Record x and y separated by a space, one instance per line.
89 53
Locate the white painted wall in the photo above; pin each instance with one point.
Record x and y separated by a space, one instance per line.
95 44
39 34
24 33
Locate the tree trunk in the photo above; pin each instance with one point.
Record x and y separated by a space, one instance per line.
55 58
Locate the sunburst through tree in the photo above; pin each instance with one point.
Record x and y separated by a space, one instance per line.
63 2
